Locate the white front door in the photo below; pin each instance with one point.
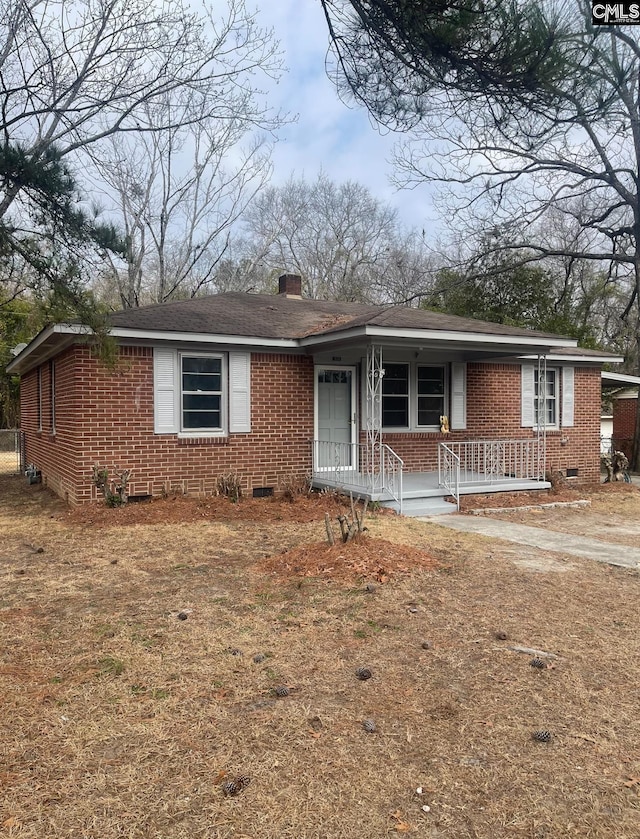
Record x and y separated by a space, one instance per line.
335 418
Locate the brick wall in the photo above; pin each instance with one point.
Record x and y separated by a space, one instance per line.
494 412
106 417
624 424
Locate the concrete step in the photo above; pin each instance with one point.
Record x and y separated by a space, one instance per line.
425 506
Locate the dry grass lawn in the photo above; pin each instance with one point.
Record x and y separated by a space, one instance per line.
119 719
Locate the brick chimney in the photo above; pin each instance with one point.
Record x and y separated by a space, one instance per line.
290 285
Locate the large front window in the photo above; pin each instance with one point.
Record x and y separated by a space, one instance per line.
201 393
414 396
546 398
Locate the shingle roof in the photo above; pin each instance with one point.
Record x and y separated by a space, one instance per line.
277 316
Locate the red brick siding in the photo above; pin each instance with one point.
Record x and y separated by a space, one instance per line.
494 411
106 416
624 424
110 415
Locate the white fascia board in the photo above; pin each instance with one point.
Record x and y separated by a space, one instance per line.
42 337
203 338
621 378
74 329
575 359
437 335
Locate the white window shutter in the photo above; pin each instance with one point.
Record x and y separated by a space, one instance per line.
567 396
166 391
528 395
239 392
458 418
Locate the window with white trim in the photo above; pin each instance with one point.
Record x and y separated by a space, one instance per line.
430 389
414 396
201 393
546 398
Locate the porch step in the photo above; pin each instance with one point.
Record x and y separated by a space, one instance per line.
424 506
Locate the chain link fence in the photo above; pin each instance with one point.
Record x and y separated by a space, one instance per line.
11 451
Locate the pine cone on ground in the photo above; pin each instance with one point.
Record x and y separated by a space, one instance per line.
281 690
363 673
236 785
369 726
538 663
542 735
230 788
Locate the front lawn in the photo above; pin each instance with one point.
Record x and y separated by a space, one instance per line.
142 649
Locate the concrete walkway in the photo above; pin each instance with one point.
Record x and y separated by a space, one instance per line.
548 540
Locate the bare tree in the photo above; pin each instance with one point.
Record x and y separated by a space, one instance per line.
345 243
537 113
178 195
74 73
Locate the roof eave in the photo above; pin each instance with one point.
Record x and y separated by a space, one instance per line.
605 358
441 336
47 343
53 339
204 338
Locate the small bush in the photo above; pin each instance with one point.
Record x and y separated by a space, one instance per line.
114 491
230 485
293 486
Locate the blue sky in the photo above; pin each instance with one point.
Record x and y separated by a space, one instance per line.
329 135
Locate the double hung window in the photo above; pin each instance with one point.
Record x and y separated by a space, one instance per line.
202 408
545 404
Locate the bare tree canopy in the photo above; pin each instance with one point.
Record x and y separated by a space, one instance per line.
75 73
345 243
536 136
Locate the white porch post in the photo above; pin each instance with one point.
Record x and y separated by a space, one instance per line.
374 374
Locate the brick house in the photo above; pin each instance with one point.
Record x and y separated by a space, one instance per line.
403 405
624 400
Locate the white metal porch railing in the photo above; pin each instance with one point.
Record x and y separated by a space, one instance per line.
371 469
491 461
449 471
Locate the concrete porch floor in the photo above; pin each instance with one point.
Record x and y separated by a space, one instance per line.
420 490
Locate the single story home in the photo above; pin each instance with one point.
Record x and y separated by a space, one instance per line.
402 405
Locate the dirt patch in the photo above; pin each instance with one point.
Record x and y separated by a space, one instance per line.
140 665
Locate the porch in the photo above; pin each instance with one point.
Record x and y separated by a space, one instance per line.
464 468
